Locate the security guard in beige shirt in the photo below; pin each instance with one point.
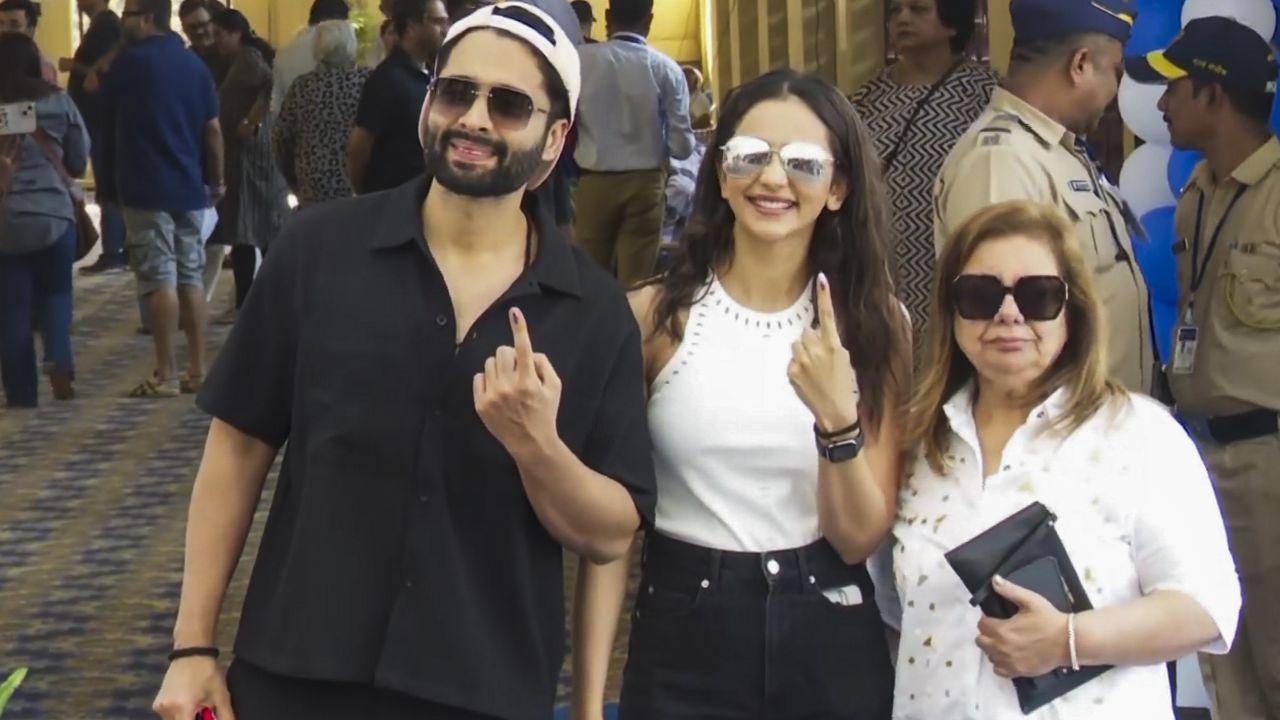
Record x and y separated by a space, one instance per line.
1224 373
1064 71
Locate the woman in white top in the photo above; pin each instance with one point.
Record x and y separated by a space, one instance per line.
1015 408
754 600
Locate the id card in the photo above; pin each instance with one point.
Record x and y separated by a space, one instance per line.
18 118
1185 339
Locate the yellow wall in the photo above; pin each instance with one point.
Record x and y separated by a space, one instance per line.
1000 32
56 34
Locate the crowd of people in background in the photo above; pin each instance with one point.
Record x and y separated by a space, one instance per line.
860 332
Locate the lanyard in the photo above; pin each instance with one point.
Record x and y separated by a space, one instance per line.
915 115
1197 272
1096 183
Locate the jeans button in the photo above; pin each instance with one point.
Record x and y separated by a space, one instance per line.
772 566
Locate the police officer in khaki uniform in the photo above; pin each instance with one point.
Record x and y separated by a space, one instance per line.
1224 373
1064 71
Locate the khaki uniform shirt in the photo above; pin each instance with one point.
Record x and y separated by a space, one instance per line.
1237 306
1015 152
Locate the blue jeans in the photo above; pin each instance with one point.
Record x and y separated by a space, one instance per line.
38 282
112 234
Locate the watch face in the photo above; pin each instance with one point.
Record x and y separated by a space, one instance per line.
843 451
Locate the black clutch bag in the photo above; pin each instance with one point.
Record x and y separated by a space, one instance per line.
1025 549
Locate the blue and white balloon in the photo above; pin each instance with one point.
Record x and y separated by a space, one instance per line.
1138 108
1142 179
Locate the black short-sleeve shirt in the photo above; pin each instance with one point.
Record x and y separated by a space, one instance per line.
390 107
401 549
101 38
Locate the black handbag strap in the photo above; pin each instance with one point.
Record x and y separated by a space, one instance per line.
915 115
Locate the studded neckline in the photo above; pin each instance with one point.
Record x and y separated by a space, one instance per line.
718 301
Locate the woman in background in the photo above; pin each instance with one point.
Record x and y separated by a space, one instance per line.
37 227
916 109
255 207
310 136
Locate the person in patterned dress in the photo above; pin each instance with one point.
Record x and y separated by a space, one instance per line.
310 135
915 110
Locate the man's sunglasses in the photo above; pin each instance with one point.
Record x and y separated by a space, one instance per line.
746 157
979 297
509 109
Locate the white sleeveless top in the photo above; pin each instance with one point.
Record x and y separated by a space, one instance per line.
733 446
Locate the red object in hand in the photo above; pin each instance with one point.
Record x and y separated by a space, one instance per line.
206 714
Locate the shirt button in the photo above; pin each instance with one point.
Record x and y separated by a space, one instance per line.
408 583
422 497
773 567
441 320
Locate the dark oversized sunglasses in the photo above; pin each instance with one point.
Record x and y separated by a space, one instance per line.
979 297
509 109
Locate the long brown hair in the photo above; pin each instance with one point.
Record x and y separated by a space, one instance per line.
1080 368
850 246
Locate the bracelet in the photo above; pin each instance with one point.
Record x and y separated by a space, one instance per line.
1071 642
856 426
180 653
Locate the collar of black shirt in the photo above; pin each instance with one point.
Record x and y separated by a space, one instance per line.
554 266
399 56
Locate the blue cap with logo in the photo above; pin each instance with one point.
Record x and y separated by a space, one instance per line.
1038 20
1217 49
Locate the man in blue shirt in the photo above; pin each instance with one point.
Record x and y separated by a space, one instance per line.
634 116
168 170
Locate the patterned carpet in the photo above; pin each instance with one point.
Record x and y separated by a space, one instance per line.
93 502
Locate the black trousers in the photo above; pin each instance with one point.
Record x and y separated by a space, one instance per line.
244 263
259 695
734 636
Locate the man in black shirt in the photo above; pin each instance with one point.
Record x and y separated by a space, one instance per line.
383 150
462 397
98 42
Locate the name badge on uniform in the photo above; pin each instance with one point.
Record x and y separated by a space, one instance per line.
1081 186
1185 340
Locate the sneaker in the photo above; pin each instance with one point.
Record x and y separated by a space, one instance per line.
103 265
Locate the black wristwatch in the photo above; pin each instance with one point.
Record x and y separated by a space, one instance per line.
838 451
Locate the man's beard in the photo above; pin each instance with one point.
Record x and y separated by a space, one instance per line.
513 171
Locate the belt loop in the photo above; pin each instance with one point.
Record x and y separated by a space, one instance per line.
808 582
716 556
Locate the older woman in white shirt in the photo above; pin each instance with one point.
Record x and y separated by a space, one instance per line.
1016 408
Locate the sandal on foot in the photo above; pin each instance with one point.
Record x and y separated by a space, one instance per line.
154 387
189 384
